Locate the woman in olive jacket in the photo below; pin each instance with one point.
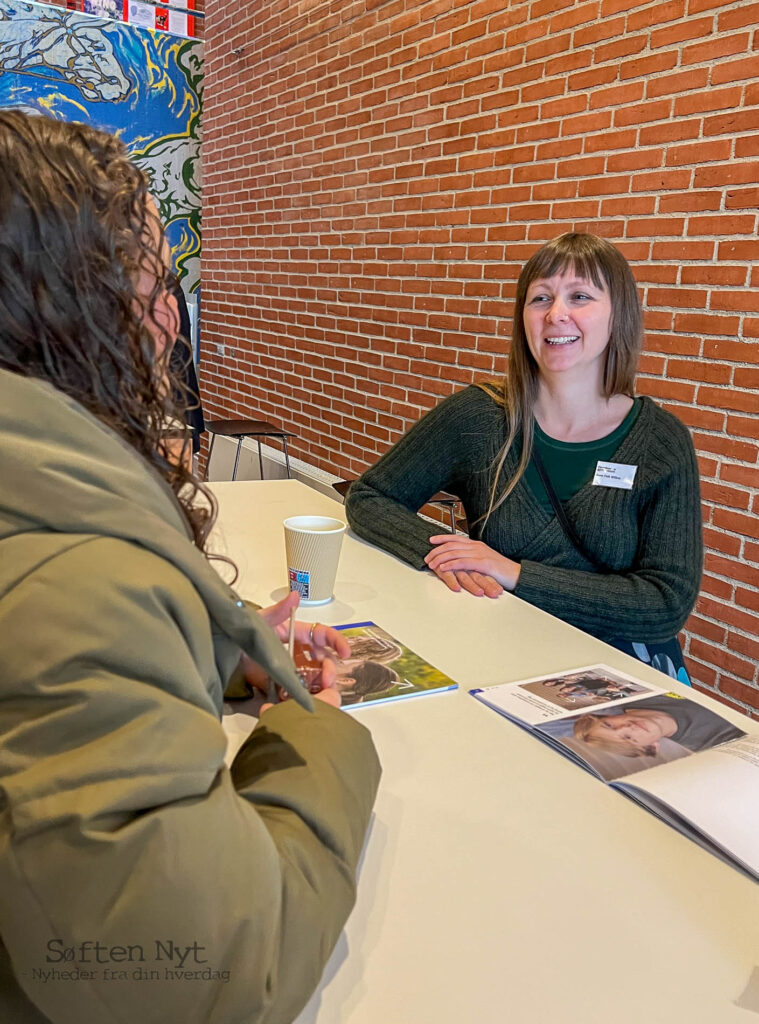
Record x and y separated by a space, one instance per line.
140 880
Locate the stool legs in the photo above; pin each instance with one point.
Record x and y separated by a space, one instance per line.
240 440
237 458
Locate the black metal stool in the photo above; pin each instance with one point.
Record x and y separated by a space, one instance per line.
442 498
247 428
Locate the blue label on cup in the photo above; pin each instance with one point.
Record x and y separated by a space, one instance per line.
300 581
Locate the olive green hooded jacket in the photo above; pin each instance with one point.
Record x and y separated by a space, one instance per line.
141 882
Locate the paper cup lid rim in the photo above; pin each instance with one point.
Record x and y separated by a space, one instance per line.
338 528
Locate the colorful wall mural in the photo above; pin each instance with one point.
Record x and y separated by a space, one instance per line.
144 86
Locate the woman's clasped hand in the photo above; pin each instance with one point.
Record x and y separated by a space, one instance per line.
466 564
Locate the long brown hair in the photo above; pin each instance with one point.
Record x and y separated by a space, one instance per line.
595 260
76 231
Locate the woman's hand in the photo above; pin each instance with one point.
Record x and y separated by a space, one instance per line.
473 582
463 563
315 639
321 685
314 643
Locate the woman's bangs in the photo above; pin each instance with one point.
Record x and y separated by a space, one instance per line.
585 266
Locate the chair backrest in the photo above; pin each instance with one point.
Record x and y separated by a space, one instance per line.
443 502
341 486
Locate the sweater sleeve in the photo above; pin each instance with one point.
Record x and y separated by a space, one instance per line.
434 455
653 598
131 844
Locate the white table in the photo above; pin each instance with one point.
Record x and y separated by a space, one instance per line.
500 883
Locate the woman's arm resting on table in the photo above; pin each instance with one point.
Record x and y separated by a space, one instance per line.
127 828
434 455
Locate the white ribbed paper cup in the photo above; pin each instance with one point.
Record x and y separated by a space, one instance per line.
312 546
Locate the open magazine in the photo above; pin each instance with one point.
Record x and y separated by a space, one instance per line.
685 763
381 669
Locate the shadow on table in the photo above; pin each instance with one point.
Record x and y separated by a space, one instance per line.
341 610
352 984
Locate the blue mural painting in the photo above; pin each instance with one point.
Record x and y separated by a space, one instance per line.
144 86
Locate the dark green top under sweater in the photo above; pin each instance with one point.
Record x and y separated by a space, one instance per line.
650 535
572 464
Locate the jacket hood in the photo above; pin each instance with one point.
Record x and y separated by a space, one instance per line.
62 470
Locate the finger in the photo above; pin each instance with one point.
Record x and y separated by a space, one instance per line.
469 584
322 639
449 579
467 550
323 681
256 677
328 674
336 640
330 696
253 674
434 561
491 587
451 540
456 563
443 555
279 613
436 556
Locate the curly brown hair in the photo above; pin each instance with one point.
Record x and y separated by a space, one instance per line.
77 229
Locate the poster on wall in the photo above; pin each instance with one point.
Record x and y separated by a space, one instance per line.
163 19
178 20
144 86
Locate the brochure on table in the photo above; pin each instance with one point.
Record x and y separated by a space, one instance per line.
380 668
690 766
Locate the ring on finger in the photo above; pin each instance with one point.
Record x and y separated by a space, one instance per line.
311 632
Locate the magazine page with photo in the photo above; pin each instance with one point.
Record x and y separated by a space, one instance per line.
641 740
624 738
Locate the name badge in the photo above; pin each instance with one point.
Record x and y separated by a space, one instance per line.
614 474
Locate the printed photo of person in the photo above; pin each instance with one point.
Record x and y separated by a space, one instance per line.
626 739
380 668
366 679
366 674
573 690
373 644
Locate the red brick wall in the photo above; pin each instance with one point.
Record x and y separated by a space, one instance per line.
377 171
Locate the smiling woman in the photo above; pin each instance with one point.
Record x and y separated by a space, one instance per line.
582 499
567 322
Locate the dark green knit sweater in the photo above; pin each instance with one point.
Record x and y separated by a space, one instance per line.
649 536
